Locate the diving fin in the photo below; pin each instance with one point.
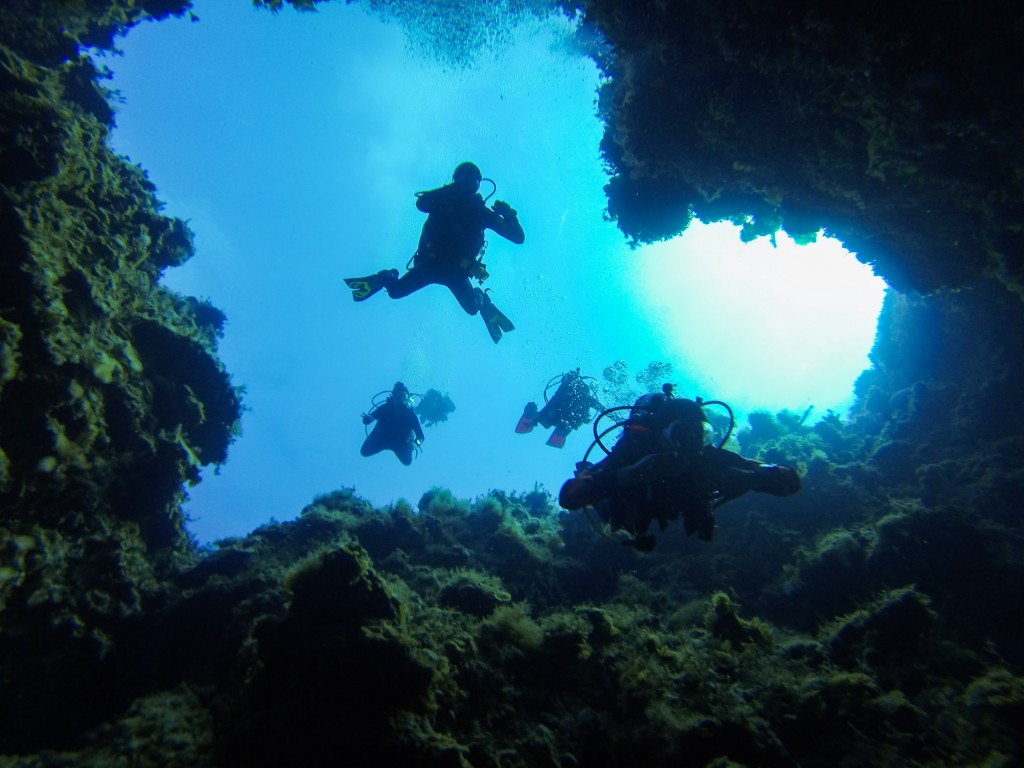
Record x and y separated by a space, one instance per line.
557 439
364 287
495 321
503 322
528 420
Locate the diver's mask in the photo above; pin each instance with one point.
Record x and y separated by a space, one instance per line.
680 435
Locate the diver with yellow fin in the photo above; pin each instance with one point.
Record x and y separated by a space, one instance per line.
451 248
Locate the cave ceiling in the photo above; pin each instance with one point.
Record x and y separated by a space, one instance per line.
895 127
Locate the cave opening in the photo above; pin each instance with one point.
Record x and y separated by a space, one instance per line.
293 144
769 324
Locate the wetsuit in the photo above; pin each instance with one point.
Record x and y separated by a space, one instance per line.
570 406
394 431
451 240
661 470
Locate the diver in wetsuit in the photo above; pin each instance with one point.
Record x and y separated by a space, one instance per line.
568 409
662 469
450 248
434 407
397 427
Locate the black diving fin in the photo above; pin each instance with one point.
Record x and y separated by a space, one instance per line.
364 287
495 321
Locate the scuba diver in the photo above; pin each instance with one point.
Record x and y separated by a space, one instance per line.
566 410
397 427
663 467
451 248
434 407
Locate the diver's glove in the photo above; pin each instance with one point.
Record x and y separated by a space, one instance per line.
504 209
367 418
776 479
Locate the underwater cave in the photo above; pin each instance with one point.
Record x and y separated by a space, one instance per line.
797 320
868 619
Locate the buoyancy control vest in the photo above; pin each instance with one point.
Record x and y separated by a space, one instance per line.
453 234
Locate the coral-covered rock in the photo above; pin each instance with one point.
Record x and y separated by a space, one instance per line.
892 130
494 631
99 429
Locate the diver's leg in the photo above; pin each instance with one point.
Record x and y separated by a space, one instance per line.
528 420
372 444
700 521
469 298
416 278
404 453
554 409
547 415
557 438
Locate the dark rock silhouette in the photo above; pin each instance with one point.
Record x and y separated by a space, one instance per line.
870 620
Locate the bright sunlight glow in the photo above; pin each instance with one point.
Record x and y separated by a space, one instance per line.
766 326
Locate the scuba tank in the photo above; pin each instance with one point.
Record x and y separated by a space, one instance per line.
683 424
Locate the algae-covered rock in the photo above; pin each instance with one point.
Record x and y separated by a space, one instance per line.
999 693
111 394
170 727
819 116
723 619
474 593
338 587
494 631
337 665
897 619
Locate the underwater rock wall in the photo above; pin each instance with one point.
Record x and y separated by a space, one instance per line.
111 394
869 620
498 633
893 127
897 130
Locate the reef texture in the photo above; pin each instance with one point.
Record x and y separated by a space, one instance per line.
893 126
873 619
111 394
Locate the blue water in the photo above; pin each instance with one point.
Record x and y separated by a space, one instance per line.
294 145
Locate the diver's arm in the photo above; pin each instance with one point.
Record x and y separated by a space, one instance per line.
425 201
504 220
580 491
734 475
590 483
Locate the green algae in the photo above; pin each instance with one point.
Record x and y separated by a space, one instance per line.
854 151
472 592
95 440
722 618
997 689
349 626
